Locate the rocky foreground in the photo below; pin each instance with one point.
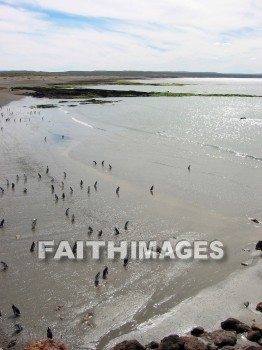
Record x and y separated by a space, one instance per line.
233 334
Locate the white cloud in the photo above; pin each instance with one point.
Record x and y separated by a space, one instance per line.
157 35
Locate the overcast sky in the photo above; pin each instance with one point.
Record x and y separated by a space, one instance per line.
175 35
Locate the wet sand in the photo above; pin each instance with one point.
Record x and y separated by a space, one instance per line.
151 292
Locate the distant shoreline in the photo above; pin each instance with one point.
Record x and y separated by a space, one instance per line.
132 74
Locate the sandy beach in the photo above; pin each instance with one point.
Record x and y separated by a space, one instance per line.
160 298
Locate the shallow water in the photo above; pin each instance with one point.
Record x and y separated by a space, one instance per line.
148 141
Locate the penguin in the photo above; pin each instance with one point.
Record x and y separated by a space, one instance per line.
2 223
100 233
95 185
117 190
49 333
188 168
94 162
125 262
126 224
90 230
25 190
18 328
97 279
110 167
116 231
73 218
103 163
32 248
66 212
74 248
47 169
5 266
34 224
39 176
16 311
105 272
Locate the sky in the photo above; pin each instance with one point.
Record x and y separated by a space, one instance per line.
222 36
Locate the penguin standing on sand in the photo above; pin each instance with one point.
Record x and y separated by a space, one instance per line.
188 168
126 225
47 170
125 261
34 224
117 190
16 311
5 266
105 273
116 231
32 248
95 185
97 279
49 333
74 248
2 223
66 212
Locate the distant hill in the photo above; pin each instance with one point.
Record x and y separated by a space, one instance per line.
136 74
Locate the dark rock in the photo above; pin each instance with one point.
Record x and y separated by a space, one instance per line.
259 307
259 245
257 327
46 344
192 343
171 342
152 345
235 325
241 347
222 338
254 335
197 331
128 345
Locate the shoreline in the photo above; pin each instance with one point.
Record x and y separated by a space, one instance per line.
8 97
